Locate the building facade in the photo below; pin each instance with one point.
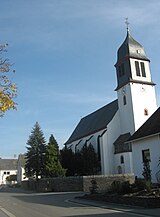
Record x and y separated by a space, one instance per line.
109 128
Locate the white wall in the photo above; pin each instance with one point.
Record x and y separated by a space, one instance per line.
127 166
113 132
153 144
143 97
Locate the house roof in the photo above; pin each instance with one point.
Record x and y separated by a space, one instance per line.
122 139
150 127
8 164
94 122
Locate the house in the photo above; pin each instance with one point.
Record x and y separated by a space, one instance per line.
146 145
20 168
7 167
109 128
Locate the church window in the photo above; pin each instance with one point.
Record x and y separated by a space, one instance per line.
146 155
122 159
145 111
137 68
124 100
143 69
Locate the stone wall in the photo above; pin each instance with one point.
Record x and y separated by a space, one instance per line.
76 183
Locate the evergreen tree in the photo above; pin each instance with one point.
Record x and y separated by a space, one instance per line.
67 158
35 156
90 160
53 167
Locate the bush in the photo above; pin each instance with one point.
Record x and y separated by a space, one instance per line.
120 187
94 187
142 184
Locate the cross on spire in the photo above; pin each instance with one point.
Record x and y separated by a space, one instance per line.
127 23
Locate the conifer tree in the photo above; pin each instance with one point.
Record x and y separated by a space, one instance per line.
89 160
36 150
53 167
67 158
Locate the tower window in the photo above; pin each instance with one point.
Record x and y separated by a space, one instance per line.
143 69
122 159
145 111
140 71
137 68
124 100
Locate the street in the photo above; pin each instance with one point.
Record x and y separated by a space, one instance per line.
18 203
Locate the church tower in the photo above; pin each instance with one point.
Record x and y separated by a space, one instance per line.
135 88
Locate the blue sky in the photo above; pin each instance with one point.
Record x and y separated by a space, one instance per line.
64 53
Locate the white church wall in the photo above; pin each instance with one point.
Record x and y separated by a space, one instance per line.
153 144
113 131
143 98
124 166
125 111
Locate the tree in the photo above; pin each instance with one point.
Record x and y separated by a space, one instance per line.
147 174
90 160
67 158
146 170
36 150
53 167
8 89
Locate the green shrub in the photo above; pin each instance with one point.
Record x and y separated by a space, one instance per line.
120 187
140 184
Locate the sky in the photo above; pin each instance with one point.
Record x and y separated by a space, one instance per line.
64 53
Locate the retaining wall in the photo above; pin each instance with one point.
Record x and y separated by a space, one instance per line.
75 183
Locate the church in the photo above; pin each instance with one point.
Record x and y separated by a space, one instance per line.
128 128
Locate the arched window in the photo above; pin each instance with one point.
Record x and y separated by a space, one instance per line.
145 111
122 159
124 100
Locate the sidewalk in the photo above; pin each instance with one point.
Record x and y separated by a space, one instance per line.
131 209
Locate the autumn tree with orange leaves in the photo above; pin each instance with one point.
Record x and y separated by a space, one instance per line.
8 89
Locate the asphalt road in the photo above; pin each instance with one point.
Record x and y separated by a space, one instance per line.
17 203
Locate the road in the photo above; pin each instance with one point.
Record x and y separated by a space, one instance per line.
17 203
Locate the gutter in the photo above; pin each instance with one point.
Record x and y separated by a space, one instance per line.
144 137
